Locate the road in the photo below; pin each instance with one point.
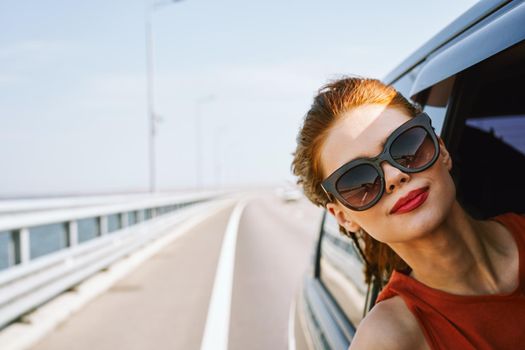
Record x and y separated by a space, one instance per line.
163 304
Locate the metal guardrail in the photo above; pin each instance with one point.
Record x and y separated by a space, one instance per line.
89 239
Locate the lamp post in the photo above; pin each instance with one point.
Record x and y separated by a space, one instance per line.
198 143
219 152
152 117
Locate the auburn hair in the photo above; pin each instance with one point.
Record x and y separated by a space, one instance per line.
331 102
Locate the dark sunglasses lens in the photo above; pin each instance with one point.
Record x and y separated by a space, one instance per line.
413 149
359 186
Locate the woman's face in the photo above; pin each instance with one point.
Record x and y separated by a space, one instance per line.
361 133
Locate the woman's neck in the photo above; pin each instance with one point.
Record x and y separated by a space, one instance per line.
454 257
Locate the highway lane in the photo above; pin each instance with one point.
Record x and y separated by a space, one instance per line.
273 250
164 303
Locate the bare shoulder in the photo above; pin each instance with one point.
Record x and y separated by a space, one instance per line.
389 325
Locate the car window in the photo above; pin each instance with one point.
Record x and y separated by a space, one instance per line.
341 271
507 129
489 137
437 100
434 100
405 82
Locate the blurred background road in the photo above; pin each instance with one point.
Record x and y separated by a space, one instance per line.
163 304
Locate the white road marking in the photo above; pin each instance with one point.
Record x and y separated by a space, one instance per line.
218 320
291 326
45 319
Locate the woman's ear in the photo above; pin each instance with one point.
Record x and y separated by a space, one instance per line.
445 155
342 217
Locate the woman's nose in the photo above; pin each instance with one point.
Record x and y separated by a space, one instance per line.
393 177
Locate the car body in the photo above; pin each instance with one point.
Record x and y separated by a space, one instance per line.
469 79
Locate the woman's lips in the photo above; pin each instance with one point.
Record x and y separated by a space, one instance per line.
411 201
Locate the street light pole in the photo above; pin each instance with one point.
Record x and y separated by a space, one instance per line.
198 144
150 95
152 117
218 148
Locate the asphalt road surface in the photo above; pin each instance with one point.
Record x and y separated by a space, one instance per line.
163 304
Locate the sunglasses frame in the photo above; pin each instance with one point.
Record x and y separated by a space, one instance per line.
329 185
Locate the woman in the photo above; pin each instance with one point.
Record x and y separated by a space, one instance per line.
372 159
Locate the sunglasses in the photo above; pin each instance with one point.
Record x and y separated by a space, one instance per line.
360 183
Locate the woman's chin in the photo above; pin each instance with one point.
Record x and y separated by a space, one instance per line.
421 221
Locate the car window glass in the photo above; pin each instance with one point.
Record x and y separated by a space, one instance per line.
434 99
341 271
405 82
437 102
489 154
507 129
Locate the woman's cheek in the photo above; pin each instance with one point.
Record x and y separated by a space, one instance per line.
376 224
446 187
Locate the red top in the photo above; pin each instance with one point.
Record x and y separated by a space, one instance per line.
449 321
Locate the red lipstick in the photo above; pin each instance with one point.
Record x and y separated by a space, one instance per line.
411 201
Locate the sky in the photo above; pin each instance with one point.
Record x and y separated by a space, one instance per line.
73 96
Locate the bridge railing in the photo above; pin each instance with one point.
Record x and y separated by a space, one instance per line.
47 252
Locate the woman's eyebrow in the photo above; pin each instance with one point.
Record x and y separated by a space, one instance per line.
381 147
370 155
